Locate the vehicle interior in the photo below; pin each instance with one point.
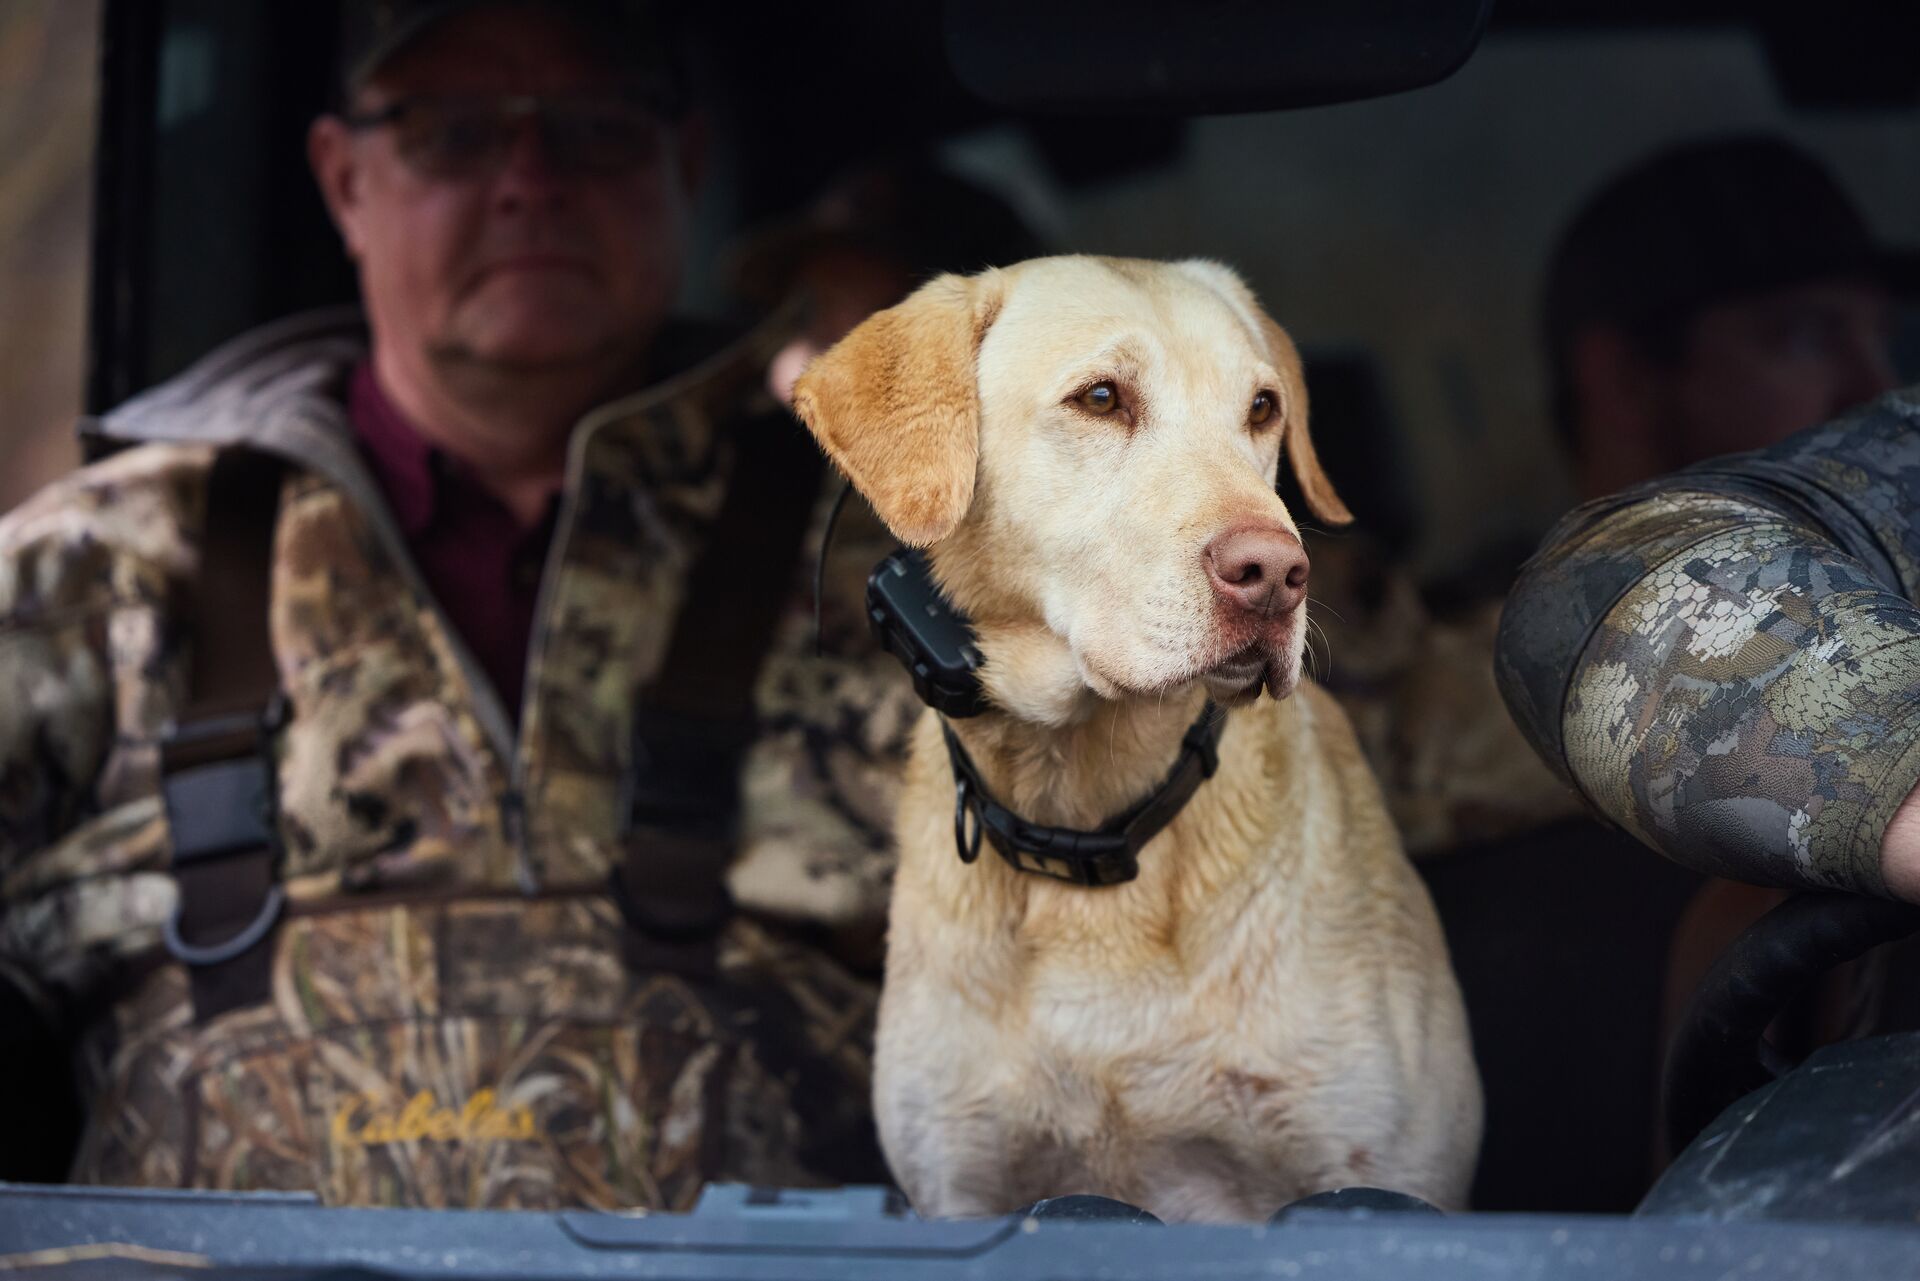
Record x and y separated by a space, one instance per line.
1390 177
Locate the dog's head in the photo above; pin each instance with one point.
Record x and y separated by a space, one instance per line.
1091 445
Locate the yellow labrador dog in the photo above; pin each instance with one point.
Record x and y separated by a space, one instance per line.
1087 448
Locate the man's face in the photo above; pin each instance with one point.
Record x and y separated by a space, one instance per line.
1758 369
527 263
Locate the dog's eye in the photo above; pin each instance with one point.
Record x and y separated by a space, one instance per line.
1261 409
1101 398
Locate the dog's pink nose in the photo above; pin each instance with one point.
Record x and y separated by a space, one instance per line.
1259 568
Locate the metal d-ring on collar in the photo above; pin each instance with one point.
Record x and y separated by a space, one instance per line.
1107 855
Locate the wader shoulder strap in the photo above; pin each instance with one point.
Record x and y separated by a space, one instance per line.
696 720
217 775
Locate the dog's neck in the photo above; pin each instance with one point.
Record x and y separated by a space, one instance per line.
1055 750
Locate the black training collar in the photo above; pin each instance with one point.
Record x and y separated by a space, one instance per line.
1108 855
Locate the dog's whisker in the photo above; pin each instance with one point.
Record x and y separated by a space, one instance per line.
1314 602
1325 649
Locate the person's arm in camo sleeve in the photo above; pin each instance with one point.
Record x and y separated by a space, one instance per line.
86 568
1726 661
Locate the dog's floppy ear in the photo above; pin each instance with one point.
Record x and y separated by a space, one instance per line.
1296 444
895 404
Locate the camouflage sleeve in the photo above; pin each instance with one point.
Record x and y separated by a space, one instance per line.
86 663
1726 662
54 728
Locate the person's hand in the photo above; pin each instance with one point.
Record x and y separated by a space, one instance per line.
1900 850
784 370
846 285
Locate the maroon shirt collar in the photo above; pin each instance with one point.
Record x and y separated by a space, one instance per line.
479 563
407 465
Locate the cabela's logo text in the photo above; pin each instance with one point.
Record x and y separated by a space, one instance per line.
360 1122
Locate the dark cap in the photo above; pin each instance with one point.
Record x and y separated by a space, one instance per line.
628 33
929 219
1703 223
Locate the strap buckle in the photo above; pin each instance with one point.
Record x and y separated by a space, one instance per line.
221 797
1089 859
272 907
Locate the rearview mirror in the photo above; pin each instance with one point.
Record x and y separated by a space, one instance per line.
1199 57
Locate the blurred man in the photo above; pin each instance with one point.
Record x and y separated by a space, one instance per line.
374 719
867 241
1716 297
1726 662
1720 295
823 779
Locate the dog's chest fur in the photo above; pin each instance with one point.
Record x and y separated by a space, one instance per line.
1186 1043
1154 1093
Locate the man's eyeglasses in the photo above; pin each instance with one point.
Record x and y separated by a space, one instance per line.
458 137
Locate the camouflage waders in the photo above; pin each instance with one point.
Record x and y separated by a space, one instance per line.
455 1011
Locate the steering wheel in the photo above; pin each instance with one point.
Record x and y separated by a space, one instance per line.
1721 1053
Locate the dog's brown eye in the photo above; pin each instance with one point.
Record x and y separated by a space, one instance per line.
1101 398
1262 408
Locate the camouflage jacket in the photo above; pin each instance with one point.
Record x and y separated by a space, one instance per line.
452 1021
1726 662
